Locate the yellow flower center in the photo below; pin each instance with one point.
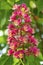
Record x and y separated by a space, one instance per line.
22 9
21 55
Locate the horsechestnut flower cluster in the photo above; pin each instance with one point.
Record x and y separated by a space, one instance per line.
20 33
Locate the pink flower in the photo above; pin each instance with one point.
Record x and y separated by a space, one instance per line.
20 38
10 26
28 29
24 6
27 52
14 45
19 13
26 15
16 7
17 22
10 52
10 40
19 54
12 32
13 17
28 19
33 40
34 50
25 39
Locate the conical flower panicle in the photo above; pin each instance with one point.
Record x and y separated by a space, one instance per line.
20 33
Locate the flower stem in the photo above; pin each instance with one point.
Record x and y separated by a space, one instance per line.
21 61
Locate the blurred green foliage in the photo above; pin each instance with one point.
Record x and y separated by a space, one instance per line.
36 8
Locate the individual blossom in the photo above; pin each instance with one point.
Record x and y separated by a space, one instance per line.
20 39
24 9
16 7
17 22
27 18
14 45
11 26
12 32
10 52
19 54
28 29
27 52
33 40
34 50
25 39
10 40
13 17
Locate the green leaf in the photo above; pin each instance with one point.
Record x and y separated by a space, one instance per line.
11 2
32 4
2 39
5 60
31 60
5 5
40 24
9 60
40 21
39 4
15 61
16 0
3 18
40 56
5 14
3 21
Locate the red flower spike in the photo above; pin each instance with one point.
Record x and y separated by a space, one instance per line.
20 33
